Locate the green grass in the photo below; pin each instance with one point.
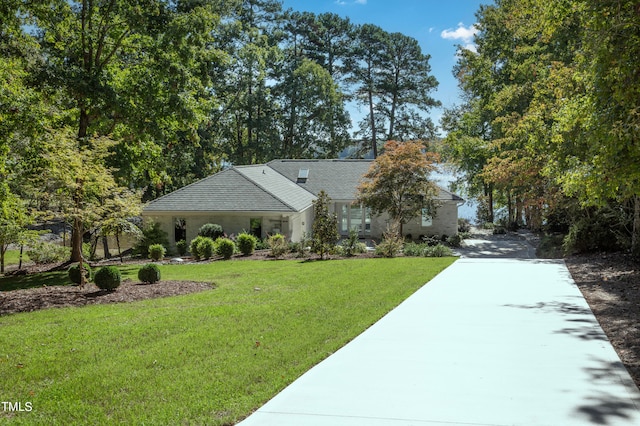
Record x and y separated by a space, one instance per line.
207 358
12 257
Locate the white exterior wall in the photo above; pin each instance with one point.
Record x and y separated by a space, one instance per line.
445 222
293 226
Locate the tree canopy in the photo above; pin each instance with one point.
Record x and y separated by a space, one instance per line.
398 182
550 124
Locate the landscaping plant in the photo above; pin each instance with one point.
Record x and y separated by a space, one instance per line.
211 230
225 248
157 252
74 273
246 243
108 278
206 247
149 273
278 245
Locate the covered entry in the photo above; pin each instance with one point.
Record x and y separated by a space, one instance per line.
354 216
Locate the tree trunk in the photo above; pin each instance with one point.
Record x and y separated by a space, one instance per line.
2 250
372 118
76 240
635 237
21 253
105 247
118 244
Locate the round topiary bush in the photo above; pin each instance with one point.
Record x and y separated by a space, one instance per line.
246 243
211 230
157 252
149 273
225 248
74 273
108 278
206 247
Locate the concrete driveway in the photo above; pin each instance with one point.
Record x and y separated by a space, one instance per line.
508 246
489 341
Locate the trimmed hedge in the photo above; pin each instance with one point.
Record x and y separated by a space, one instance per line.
225 248
108 278
149 273
74 273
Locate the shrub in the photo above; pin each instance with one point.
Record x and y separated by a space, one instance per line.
464 225
181 246
277 245
149 273
414 249
225 248
454 240
206 247
108 278
390 245
352 244
246 243
74 273
262 244
211 230
438 251
151 234
157 252
44 252
193 247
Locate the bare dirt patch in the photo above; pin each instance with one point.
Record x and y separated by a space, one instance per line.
611 285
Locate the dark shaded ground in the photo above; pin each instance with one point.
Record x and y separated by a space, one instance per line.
611 285
33 299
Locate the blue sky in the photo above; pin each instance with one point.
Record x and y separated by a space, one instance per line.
438 25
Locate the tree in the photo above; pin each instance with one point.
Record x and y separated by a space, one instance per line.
364 65
325 226
13 221
133 72
398 182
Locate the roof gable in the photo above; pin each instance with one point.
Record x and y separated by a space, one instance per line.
227 191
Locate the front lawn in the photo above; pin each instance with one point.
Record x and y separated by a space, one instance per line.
205 358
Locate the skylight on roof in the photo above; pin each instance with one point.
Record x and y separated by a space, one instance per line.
303 175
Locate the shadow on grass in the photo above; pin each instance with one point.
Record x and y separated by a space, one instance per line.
19 282
54 278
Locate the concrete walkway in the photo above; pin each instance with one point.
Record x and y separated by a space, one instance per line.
486 342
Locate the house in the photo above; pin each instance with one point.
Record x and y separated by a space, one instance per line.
277 197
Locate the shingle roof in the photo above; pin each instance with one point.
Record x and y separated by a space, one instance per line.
338 178
271 187
278 186
236 189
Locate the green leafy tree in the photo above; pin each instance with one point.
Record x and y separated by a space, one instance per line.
398 183
324 231
131 72
14 218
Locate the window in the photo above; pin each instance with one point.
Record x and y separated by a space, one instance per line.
180 230
427 220
256 227
303 175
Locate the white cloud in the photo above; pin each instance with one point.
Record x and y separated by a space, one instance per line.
344 2
462 33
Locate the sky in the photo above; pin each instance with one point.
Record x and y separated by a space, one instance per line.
438 25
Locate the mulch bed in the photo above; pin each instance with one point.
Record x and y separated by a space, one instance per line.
611 285
62 296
